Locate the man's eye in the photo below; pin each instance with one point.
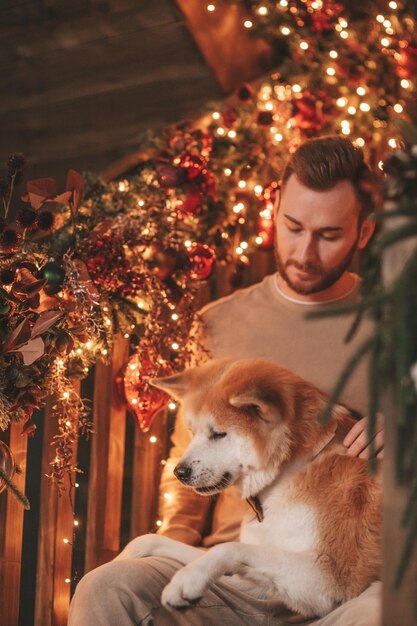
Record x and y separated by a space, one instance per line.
216 435
293 229
329 237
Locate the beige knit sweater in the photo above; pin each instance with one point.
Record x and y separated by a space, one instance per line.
260 322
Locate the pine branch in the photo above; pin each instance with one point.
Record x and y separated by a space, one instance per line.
15 491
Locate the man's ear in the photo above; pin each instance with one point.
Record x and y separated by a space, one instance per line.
176 385
366 232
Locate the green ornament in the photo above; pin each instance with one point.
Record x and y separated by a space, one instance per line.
55 275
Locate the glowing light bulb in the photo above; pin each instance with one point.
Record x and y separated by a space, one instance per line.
283 3
333 54
341 102
258 240
304 45
220 131
296 88
231 134
216 115
393 5
344 34
175 346
187 243
331 71
263 10
67 580
67 423
66 395
211 8
159 522
285 31
346 130
385 41
172 406
248 24
405 83
360 142
227 171
258 189
66 540
386 24
380 18
392 143
122 187
134 401
168 497
351 110
76 522
239 250
361 91
153 439
242 184
278 137
269 106
174 316
398 108
141 202
364 106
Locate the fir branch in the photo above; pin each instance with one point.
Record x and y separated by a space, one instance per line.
15 491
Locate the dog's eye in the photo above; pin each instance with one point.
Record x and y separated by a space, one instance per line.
216 435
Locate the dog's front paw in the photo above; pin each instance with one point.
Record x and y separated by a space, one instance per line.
185 589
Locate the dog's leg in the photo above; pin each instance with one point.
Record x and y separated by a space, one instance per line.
294 577
157 545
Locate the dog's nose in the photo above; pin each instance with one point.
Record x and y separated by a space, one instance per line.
183 472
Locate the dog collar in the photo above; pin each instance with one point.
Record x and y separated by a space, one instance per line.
256 507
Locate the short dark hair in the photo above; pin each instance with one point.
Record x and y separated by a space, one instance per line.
321 163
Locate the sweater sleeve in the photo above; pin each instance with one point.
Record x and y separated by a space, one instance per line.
183 512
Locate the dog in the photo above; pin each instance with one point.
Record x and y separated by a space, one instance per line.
314 539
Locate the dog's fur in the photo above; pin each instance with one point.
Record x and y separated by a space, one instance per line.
256 425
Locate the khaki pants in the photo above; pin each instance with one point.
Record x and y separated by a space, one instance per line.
127 593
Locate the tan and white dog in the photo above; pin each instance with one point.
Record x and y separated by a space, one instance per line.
315 540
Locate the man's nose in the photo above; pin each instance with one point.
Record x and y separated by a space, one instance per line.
183 472
307 249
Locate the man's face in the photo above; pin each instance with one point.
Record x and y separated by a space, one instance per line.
317 235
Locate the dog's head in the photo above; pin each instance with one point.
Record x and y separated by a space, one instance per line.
247 418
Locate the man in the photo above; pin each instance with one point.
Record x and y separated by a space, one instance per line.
323 218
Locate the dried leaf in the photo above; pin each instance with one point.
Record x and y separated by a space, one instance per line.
45 321
75 184
19 336
40 190
32 350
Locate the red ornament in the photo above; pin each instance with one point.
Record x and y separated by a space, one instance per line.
193 200
192 166
407 62
311 112
202 259
143 400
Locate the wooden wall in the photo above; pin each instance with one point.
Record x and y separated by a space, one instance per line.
82 80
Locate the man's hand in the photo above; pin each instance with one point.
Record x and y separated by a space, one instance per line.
356 441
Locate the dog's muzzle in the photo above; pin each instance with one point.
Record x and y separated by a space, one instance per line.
183 473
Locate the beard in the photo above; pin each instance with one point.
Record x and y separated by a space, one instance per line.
324 280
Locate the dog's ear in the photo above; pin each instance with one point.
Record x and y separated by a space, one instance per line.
175 385
263 409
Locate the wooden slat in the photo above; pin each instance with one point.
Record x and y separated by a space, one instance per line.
12 529
55 524
146 475
106 466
